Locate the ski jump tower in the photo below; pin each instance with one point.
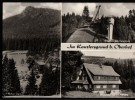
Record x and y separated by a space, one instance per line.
110 28
96 17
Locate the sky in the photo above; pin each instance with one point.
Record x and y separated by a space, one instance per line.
111 54
107 9
10 9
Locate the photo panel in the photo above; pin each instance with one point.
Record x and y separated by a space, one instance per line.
98 22
31 50
98 74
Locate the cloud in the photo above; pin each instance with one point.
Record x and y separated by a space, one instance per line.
107 9
10 9
57 6
116 9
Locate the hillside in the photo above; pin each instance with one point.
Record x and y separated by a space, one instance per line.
33 28
32 22
98 59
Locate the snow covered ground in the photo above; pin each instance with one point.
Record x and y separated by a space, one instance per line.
23 73
52 96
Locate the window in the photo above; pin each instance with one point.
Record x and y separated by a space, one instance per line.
98 77
116 78
90 86
104 86
85 77
98 86
113 86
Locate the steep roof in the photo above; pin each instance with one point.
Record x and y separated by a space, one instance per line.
80 82
96 69
40 63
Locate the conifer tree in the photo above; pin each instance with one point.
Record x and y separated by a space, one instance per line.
15 82
45 83
31 87
5 83
86 13
10 78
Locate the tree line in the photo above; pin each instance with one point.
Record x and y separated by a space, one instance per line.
10 78
126 70
49 84
50 81
69 24
71 62
35 45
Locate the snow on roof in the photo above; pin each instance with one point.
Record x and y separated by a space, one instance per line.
40 62
96 70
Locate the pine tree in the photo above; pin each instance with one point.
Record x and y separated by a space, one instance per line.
45 86
15 82
31 87
5 83
11 83
86 13
57 80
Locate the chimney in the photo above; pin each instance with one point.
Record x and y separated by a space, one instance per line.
110 28
100 65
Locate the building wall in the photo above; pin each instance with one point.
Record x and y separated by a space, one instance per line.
109 87
106 78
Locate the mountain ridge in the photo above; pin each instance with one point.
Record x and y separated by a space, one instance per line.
32 22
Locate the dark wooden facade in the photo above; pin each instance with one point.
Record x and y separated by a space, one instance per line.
86 80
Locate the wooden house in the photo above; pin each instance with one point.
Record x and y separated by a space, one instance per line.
39 65
98 79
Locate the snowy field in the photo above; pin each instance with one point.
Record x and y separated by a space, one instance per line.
82 94
52 96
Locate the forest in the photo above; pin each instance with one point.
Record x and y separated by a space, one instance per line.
50 82
71 64
124 26
38 31
126 69
33 45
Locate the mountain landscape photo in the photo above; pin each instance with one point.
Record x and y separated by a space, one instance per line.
31 46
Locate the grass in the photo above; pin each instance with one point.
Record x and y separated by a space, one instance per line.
82 94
